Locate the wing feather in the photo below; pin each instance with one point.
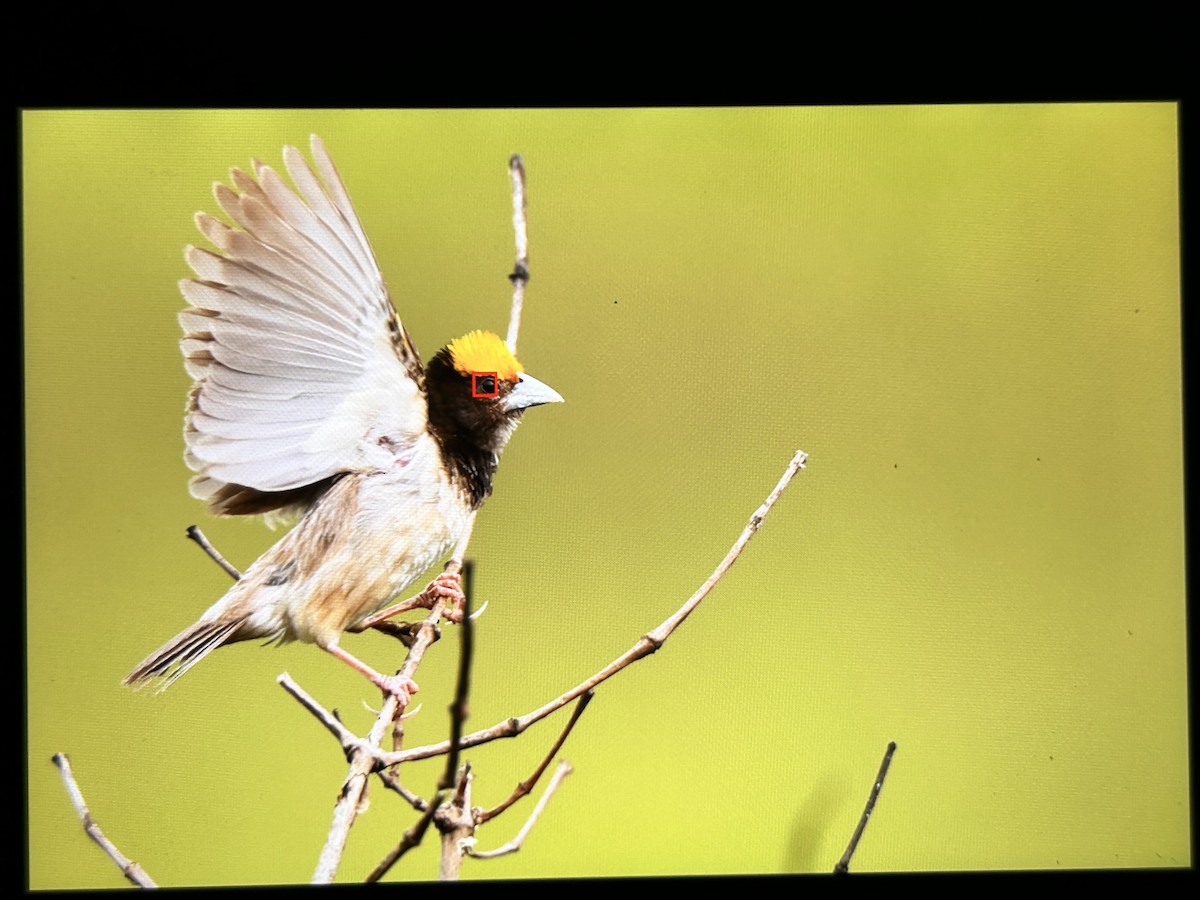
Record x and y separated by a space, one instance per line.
301 369
323 208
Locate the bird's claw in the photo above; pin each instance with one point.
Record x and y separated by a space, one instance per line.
399 686
446 587
408 714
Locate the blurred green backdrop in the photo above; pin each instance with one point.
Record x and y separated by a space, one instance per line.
969 316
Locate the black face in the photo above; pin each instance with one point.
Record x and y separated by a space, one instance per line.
469 406
467 417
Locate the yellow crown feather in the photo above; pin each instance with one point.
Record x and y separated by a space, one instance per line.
482 351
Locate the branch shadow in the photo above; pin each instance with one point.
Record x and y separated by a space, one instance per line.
810 822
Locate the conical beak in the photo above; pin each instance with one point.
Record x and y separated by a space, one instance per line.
530 392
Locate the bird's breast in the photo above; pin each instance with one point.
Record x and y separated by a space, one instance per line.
401 527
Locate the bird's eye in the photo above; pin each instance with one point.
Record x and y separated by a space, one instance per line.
483 384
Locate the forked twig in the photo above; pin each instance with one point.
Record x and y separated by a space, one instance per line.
524 787
843 865
458 714
128 867
562 771
455 816
363 761
648 644
455 820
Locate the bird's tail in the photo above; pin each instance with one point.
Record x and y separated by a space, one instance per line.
182 652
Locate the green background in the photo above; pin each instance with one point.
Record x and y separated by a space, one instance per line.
969 316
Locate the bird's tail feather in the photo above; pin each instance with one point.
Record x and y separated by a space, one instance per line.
182 652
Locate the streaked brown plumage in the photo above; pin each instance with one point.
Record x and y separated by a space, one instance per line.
309 399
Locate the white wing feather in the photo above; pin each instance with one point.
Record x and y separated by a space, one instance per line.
301 369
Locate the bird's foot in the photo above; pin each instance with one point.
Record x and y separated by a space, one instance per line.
445 587
399 686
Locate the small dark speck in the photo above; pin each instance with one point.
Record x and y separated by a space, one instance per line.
895 465
1137 310
1039 459
614 303
1052 757
1131 632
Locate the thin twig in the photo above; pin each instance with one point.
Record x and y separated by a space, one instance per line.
364 760
644 647
350 742
411 838
529 783
392 783
843 865
128 867
459 709
564 769
197 535
520 273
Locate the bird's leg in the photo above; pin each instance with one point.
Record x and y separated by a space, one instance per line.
399 686
445 586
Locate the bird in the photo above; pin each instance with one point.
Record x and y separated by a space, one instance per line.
310 404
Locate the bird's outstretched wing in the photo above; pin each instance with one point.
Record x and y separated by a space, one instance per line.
302 370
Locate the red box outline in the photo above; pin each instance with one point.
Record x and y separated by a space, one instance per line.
475 376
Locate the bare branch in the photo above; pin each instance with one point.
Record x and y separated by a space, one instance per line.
364 759
350 742
453 815
644 647
456 821
520 273
529 783
197 535
459 710
128 867
660 634
392 783
564 769
843 865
